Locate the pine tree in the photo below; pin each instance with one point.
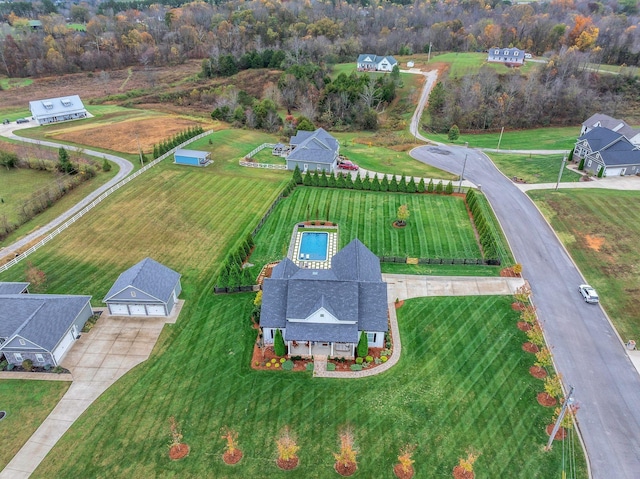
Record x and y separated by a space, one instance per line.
366 182
278 344
357 184
449 188
315 179
340 183
106 166
402 185
307 179
411 186
297 176
348 182
439 187
420 188
375 184
323 180
363 345
430 186
331 181
393 184
384 184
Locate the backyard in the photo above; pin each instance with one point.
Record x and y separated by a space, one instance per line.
463 380
603 245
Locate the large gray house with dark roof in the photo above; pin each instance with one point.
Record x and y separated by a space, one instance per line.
40 327
605 152
146 289
313 150
324 311
613 124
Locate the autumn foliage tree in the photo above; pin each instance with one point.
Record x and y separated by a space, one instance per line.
346 463
287 449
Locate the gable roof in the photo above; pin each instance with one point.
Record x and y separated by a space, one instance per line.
56 106
201 155
40 318
148 276
599 138
352 290
606 121
375 59
620 153
317 146
13 288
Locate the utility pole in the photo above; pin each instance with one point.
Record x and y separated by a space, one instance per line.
464 165
429 55
139 151
568 402
500 139
564 162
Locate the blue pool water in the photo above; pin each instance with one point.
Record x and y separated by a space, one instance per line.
313 246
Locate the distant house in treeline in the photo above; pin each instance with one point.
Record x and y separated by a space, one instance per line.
375 63
53 110
511 57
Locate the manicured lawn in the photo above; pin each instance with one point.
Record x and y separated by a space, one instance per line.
600 228
461 383
533 168
441 269
181 216
560 138
465 63
364 150
438 227
8 83
27 404
17 186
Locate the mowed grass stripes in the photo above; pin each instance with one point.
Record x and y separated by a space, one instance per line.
462 382
439 226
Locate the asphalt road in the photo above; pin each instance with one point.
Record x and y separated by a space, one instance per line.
586 348
125 168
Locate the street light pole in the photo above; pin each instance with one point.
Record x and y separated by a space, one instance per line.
464 165
568 402
564 162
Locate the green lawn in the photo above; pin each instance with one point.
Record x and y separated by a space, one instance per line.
438 227
533 168
600 228
560 138
441 269
8 83
462 383
362 149
17 185
465 63
27 404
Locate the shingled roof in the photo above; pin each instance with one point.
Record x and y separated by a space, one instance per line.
317 146
352 291
148 276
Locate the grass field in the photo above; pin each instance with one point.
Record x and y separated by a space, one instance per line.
181 216
462 383
533 168
17 185
27 404
438 227
604 245
461 64
560 138
441 269
9 83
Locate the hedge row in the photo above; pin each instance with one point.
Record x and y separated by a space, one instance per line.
175 140
482 217
232 274
367 184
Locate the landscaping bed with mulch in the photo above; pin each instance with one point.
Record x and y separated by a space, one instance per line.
538 372
530 347
546 400
178 451
289 464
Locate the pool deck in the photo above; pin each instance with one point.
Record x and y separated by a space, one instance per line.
294 247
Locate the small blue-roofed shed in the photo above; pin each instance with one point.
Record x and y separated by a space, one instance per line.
192 157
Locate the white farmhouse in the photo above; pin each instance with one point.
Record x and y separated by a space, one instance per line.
53 110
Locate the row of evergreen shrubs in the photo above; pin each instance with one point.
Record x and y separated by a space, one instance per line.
232 274
176 140
367 184
484 225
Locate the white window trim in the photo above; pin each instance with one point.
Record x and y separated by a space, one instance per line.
17 356
39 358
22 342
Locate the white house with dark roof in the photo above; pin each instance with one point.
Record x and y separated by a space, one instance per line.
324 311
512 57
613 124
313 150
39 327
53 110
375 63
605 152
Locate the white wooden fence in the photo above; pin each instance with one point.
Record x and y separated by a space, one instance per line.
95 202
252 164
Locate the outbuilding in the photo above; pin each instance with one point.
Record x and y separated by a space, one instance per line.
53 110
192 157
146 289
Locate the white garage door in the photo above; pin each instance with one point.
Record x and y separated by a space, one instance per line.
614 171
119 309
155 310
63 347
138 309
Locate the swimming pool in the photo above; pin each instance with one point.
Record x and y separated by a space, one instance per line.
313 246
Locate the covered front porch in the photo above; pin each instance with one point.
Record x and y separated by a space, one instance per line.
319 348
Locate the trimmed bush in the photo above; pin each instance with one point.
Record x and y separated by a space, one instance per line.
10 366
363 345
278 344
384 359
27 365
356 367
309 367
288 365
331 367
369 359
359 360
3 365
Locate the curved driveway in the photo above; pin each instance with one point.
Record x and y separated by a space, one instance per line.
586 348
125 168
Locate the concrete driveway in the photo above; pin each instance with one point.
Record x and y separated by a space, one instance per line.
586 348
405 286
97 360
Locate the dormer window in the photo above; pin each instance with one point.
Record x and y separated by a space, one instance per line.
65 102
515 54
497 52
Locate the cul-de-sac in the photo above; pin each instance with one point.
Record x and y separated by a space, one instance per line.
313 239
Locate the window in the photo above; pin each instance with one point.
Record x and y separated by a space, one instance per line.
496 52
589 163
515 54
65 102
319 168
40 358
17 356
133 294
371 337
47 104
22 342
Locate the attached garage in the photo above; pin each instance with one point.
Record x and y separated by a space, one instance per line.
64 345
146 289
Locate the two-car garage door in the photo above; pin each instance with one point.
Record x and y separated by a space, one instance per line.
136 310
